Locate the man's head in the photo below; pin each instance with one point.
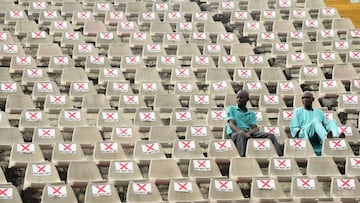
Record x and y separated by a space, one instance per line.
307 100
242 97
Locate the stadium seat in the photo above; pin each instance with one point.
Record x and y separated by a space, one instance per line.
244 169
38 174
283 168
65 152
24 153
305 188
81 172
315 169
160 174
58 193
267 189
143 191
184 190
122 171
107 151
202 170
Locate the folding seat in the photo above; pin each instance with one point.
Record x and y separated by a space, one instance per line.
198 38
116 88
260 149
344 72
283 168
56 103
70 119
150 89
107 151
342 24
331 88
327 14
227 39
86 136
255 88
297 37
299 149
184 150
187 51
348 103
93 103
297 59
66 152
338 149
160 174
13 16
71 38
267 189
100 8
252 28
126 28
57 193
19 63
181 118
222 150
282 27
47 16
328 59
93 28
243 75
146 150
32 75
38 174
83 50
267 39
81 17
172 40
58 63
203 170
101 191
304 188
79 89
201 63
184 190
132 102
31 118
224 189
161 8
142 191
131 64
18 103
199 133
94 64
122 171
240 17
315 168
81 172
201 102
10 193
68 8
33 39
45 51
11 49
24 153
187 8
310 74
114 17
45 137
4 120
165 135
110 74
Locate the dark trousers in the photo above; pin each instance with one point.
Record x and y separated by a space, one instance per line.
240 141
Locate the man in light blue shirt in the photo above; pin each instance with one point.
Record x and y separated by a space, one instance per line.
241 125
312 124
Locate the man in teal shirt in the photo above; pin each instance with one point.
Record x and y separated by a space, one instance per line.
241 125
312 124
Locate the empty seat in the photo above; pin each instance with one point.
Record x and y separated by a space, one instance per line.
352 166
121 171
9 50
267 189
271 103
86 136
30 76
35 38
125 134
95 64
81 172
115 89
284 168
38 174
93 103
71 118
56 103
307 188
92 28
182 75
42 89
331 88
80 17
337 149
19 63
299 149
101 191
328 59
10 193
199 133
169 64
4 120
142 191
351 134
252 28
82 50
184 190
315 168
23 153
260 149
310 74
255 88
224 190
348 103
107 75
47 50
345 188
150 89
65 152
342 24
216 119
297 60
132 102
146 150
71 39
29 119
58 63
186 51
139 39
202 170
107 151
125 28
201 102
185 89
181 118
278 131
184 150
17 103
163 134
57 193
10 136
78 90
172 40
143 119
222 150
161 174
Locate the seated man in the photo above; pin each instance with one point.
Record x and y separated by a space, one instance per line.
312 124
241 125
